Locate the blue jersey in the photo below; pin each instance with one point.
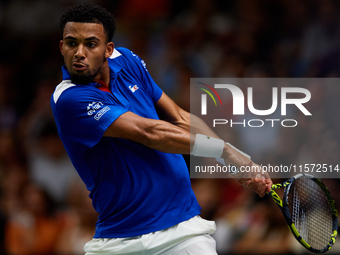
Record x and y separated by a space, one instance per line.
135 189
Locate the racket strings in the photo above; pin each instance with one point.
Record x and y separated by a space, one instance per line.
299 215
310 212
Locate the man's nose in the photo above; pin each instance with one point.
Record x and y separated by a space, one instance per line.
80 53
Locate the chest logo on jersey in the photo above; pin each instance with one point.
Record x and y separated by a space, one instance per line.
134 88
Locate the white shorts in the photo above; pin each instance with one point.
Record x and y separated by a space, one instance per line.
191 237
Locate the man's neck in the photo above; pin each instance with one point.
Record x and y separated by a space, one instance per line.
104 76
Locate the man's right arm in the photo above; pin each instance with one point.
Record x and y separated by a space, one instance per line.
156 134
173 136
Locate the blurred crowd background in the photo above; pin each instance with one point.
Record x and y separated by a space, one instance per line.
44 207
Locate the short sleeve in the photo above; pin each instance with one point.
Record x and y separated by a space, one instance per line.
85 114
139 66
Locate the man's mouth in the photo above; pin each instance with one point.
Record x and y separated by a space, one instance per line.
78 66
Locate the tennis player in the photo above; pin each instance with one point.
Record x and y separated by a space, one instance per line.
106 113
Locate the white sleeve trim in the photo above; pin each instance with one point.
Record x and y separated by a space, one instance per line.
61 88
115 54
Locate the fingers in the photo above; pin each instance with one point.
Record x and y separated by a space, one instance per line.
259 178
269 184
257 181
259 184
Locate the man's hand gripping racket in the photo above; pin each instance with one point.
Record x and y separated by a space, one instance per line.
309 211
248 174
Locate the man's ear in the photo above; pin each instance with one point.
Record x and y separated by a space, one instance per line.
109 49
61 47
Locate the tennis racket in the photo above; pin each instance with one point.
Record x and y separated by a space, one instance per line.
309 211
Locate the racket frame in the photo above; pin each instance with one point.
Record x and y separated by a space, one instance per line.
283 205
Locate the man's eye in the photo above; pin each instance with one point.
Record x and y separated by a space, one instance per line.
91 44
71 43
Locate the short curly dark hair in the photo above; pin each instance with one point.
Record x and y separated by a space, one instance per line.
90 13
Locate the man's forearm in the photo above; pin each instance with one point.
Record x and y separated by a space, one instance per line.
194 125
166 137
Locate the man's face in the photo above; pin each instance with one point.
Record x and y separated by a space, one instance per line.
85 51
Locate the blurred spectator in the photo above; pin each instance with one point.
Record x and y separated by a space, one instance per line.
322 35
8 113
50 167
78 221
33 229
32 17
151 10
3 220
234 218
206 191
11 151
267 232
15 177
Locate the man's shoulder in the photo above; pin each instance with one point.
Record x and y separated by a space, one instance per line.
120 58
61 88
127 59
120 52
68 91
